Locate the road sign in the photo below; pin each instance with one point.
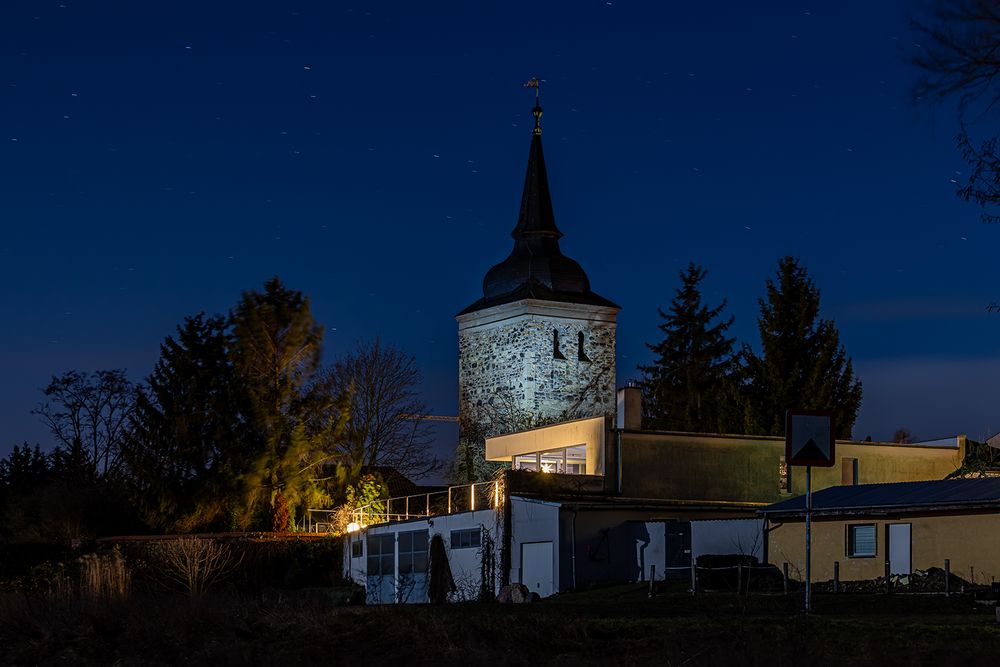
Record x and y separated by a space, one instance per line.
809 438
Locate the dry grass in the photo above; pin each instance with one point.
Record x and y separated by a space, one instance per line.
105 577
615 626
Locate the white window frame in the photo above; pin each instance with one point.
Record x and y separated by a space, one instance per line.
851 541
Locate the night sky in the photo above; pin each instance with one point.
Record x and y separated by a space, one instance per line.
157 159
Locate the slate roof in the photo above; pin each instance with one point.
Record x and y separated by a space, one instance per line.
536 267
935 494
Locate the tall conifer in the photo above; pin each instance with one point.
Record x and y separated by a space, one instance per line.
189 434
802 364
689 386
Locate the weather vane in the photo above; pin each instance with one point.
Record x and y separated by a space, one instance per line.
536 83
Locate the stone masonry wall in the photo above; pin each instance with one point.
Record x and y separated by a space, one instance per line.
512 361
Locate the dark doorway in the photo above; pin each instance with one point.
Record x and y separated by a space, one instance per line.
678 549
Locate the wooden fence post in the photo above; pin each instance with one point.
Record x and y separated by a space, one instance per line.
784 571
888 579
694 577
836 576
652 581
947 577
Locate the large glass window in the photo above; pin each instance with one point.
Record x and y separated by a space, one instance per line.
568 460
861 540
381 555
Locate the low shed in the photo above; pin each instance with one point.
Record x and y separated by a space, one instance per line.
907 525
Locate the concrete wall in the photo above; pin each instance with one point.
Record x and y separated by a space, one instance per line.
969 541
746 468
533 521
637 545
728 536
505 354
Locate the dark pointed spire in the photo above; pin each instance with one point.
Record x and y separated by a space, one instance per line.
536 216
536 267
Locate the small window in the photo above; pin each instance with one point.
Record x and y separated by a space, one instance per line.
556 354
465 539
861 540
848 472
357 548
581 355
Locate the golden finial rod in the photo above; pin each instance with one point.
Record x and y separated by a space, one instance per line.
535 82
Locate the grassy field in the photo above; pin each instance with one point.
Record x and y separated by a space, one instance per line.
611 626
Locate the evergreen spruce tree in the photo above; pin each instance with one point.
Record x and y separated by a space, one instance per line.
190 434
802 363
690 384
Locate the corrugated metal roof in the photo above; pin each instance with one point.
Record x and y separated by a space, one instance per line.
899 494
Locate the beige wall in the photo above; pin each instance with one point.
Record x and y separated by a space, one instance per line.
969 541
887 462
589 432
746 468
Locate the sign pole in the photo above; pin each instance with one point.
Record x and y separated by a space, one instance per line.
808 539
810 440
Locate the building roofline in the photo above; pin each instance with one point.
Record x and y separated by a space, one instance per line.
781 438
877 510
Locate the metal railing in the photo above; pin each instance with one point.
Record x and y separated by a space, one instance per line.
463 498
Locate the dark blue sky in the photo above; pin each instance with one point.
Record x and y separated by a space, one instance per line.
156 159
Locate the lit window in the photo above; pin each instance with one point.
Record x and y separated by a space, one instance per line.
861 540
526 462
567 460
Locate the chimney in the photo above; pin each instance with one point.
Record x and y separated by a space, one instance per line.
629 408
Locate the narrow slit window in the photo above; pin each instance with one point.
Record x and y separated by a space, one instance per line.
580 354
556 354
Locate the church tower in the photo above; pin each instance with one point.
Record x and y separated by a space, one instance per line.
539 343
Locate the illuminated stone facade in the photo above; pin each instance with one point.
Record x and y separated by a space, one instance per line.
508 363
